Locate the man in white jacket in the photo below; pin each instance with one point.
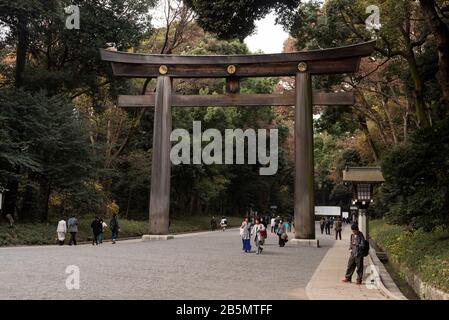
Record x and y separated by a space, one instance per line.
61 230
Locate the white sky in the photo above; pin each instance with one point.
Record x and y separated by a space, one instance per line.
268 37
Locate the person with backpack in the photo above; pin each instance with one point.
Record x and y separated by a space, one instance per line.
245 234
359 248
260 235
338 228
72 227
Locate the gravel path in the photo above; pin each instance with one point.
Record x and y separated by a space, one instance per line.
208 265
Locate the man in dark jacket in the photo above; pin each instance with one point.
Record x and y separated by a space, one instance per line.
114 228
96 229
327 225
356 246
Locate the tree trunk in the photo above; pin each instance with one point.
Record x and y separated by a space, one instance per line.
22 47
420 105
28 210
390 122
129 202
45 191
369 139
441 33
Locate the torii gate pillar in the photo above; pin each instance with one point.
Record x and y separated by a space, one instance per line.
304 169
161 165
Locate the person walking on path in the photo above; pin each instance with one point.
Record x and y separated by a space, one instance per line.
356 247
72 225
213 223
282 234
277 222
264 222
245 233
96 230
327 226
61 231
103 229
273 225
286 226
259 232
338 228
289 221
114 226
223 223
322 223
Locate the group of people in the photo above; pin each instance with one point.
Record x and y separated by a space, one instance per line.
71 226
98 227
328 223
258 230
223 223
278 222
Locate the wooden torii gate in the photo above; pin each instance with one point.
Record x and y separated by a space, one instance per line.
302 65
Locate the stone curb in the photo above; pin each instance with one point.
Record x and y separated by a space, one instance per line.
383 279
155 237
305 242
424 290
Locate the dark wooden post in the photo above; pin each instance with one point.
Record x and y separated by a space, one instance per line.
304 164
232 85
160 166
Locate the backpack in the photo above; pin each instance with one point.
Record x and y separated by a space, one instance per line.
365 248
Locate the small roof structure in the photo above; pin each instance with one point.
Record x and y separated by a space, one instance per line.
363 175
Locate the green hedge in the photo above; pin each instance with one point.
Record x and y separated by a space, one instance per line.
45 233
424 253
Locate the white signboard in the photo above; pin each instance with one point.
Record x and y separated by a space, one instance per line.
327 211
345 214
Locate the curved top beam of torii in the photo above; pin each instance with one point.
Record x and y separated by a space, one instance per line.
326 61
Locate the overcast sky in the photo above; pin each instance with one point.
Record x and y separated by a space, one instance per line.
268 37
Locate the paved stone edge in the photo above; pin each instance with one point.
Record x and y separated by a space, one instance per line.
157 237
384 281
423 289
305 242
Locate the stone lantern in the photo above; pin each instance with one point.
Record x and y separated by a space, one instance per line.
363 180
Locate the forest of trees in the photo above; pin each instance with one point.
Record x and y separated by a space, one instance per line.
65 147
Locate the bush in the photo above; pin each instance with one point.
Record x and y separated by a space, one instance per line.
424 253
416 189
